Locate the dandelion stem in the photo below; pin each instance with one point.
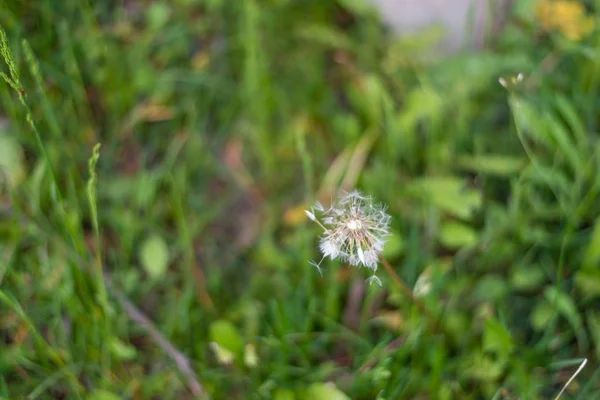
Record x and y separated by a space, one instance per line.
409 293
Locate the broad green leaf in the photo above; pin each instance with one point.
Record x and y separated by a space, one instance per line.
154 255
325 391
456 235
449 194
225 334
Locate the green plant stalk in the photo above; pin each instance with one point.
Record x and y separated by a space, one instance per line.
299 130
58 197
34 67
196 279
99 270
91 194
255 84
15 82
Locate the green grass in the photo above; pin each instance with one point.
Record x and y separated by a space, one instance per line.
173 261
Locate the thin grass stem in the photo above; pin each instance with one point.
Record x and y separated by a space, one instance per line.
409 294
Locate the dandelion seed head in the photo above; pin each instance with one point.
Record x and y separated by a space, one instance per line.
353 224
355 229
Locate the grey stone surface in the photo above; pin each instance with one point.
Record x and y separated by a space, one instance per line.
465 22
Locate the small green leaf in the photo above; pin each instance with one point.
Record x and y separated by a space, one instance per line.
481 367
449 194
592 253
497 338
225 334
542 315
492 164
121 350
565 306
456 235
11 161
594 324
325 35
491 288
325 391
588 282
154 255
146 186
158 15
422 103
527 277
284 394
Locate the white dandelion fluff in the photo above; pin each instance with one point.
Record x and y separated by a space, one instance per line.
355 228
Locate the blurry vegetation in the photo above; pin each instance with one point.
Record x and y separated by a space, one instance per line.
220 122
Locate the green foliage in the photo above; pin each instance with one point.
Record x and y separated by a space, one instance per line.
220 122
154 256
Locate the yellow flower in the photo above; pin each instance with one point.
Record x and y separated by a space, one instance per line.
566 16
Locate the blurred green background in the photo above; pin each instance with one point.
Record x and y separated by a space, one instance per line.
174 264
